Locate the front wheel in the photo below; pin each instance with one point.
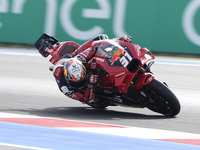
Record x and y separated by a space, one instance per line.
161 99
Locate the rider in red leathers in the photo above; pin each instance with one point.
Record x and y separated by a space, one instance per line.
71 75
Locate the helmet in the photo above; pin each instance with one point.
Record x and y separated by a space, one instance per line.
75 72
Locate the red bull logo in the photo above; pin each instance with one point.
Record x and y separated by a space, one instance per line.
117 55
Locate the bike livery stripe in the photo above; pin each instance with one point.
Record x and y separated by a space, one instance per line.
79 127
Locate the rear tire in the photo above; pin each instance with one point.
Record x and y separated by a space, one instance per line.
161 99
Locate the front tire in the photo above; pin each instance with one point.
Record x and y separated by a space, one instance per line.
161 99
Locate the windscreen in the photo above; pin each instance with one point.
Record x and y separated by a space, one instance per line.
110 48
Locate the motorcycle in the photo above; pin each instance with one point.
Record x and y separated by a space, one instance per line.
124 70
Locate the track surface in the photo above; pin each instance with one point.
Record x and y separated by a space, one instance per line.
28 87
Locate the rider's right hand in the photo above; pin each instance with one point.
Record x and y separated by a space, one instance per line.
93 79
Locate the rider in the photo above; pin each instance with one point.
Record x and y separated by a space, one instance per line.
71 74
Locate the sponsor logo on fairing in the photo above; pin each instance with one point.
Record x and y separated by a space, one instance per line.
93 65
100 59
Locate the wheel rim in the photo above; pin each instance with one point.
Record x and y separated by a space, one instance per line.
156 103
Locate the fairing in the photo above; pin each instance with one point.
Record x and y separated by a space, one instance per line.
115 57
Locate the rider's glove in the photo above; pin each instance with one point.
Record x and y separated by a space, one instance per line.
126 38
93 79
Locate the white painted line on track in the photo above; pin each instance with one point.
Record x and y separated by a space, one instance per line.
15 51
11 115
138 132
21 146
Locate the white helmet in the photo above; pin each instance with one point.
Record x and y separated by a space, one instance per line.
75 72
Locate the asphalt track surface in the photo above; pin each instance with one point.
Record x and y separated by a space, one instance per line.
28 87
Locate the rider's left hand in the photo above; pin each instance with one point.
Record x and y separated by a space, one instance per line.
126 38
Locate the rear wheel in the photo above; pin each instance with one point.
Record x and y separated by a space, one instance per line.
161 99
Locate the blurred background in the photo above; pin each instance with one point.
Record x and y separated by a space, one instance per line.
165 26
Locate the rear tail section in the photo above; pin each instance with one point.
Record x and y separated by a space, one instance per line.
44 42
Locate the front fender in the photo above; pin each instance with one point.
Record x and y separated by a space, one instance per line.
143 80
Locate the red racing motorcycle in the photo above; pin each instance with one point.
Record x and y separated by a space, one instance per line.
124 70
